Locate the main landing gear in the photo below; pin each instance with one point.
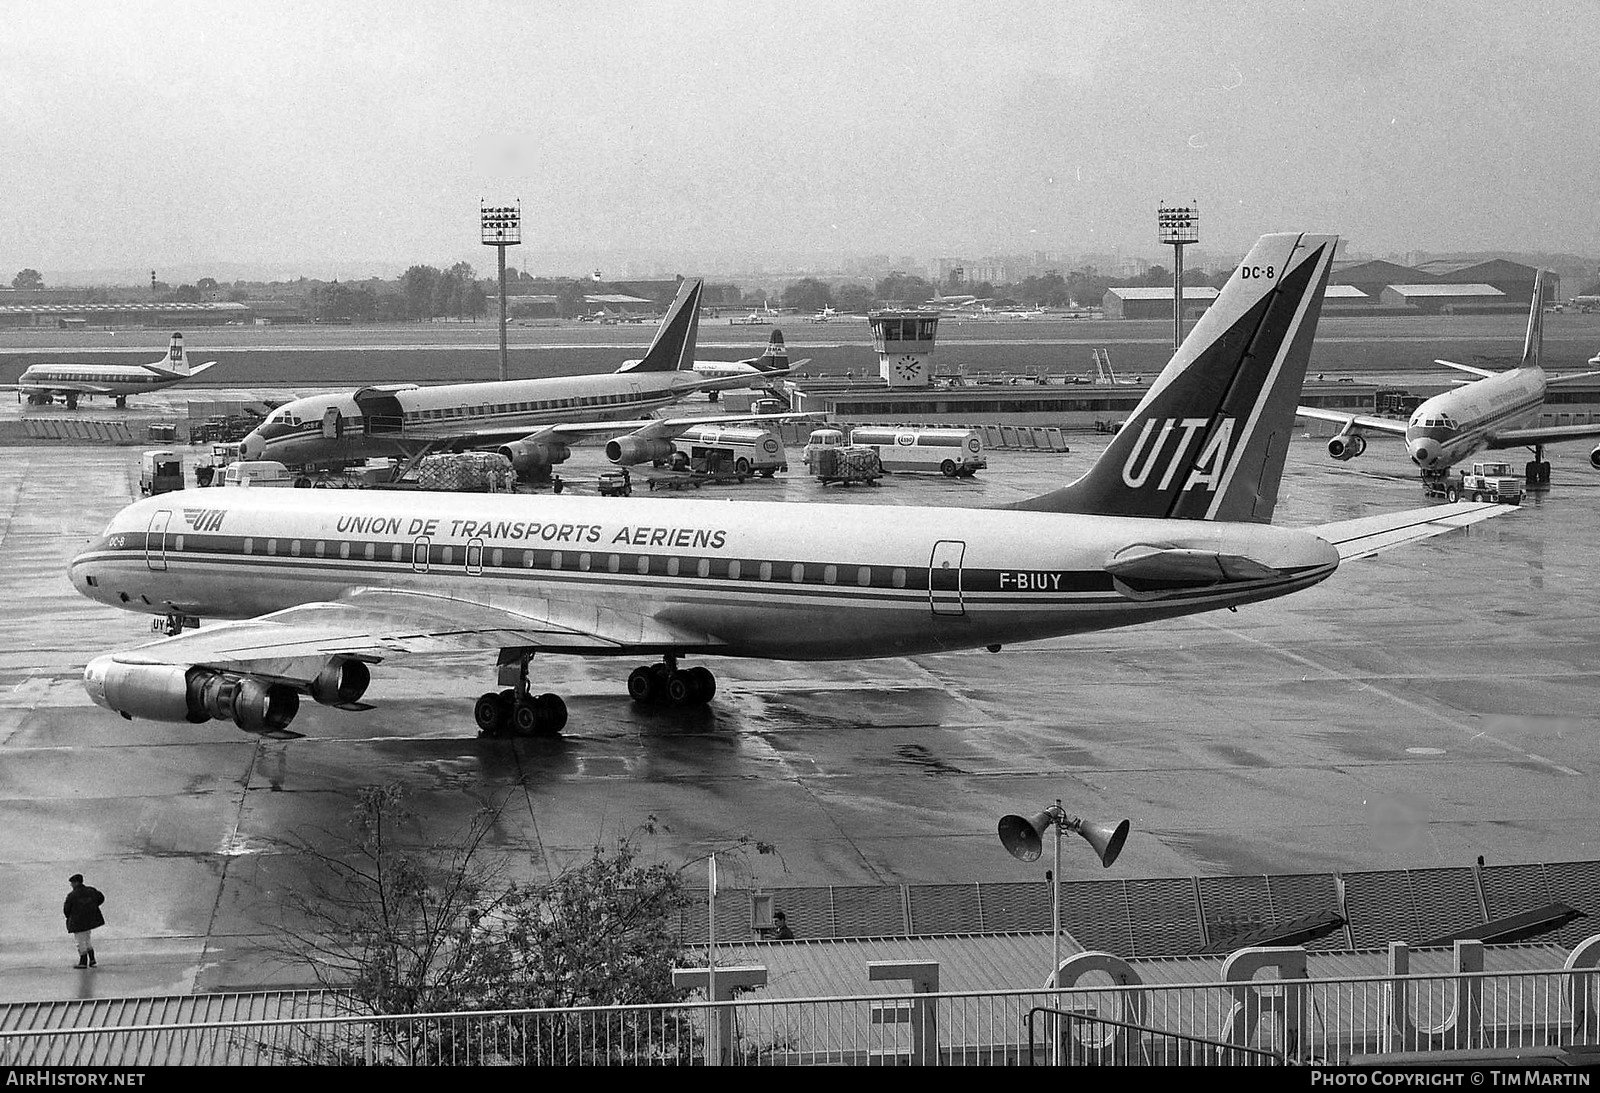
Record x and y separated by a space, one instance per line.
1538 474
665 684
516 711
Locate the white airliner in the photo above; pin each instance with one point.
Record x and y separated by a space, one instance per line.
772 364
1172 520
43 382
532 422
1492 412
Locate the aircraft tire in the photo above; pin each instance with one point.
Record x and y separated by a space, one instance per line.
642 686
680 689
552 714
705 684
489 713
525 719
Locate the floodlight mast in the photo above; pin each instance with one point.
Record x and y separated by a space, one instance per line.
501 227
1177 226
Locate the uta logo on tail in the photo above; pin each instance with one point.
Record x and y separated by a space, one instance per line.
1207 469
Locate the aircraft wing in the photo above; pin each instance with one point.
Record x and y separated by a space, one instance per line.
1481 373
374 624
1354 421
75 387
1547 434
168 373
648 428
1368 535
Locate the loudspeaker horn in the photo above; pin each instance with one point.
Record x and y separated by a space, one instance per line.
1107 839
1023 837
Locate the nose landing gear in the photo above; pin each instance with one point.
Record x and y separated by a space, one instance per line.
665 684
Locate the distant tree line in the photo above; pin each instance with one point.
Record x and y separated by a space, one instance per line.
424 293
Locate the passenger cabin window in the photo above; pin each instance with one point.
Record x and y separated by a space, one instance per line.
899 578
371 551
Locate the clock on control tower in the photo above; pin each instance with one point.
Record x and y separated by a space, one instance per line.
904 343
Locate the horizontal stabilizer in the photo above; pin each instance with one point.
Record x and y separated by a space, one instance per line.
175 375
1368 535
1147 572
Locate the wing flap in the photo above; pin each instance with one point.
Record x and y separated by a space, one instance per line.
1369 535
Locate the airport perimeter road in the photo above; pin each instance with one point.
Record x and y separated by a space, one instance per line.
1417 709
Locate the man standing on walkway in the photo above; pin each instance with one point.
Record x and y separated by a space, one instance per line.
82 908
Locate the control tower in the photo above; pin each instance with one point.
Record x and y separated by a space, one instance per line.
904 342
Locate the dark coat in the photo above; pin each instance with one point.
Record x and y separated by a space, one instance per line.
82 908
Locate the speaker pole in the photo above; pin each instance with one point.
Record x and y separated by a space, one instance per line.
1055 939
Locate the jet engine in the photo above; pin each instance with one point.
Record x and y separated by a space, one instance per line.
1594 459
628 450
173 692
532 460
341 683
1347 446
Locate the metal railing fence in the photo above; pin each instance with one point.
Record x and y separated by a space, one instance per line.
1299 1021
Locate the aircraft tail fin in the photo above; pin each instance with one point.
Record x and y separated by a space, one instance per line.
1208 440
1533 344
672 349
776 356
177 359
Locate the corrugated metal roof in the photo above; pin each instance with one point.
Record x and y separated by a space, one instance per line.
1197 292
1446 290
1344 292
810 969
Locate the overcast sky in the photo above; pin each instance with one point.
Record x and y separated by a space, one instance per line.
334 136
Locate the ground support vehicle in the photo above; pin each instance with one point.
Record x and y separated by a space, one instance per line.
955 453
846 465
617 483
690 480
745 450
160 471
1484 482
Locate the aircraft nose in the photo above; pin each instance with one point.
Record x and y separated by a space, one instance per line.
1424 453
252 446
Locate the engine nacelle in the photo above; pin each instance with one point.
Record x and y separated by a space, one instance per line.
1347 446
1594 459
173 692
342 681
532 460
629 450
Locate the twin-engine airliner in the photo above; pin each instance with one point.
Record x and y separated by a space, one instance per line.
42 383
1492 412
531 422
1173 519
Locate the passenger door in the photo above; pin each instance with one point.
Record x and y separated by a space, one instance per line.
944 577
155 540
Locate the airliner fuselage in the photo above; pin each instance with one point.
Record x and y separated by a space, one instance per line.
1448 428
732 578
